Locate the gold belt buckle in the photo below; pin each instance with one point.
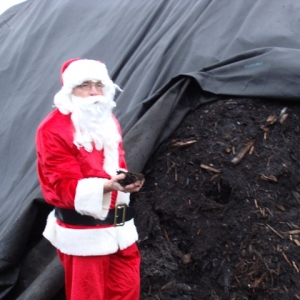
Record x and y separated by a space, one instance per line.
123 206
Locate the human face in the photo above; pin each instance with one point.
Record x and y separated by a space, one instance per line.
88 89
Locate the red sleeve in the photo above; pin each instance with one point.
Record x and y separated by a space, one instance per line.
58 169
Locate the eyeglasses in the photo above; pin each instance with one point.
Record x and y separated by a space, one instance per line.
87 86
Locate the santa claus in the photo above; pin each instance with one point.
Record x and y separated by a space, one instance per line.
79 150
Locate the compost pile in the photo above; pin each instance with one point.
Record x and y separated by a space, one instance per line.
218 215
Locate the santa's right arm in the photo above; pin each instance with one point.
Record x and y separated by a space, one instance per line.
61 179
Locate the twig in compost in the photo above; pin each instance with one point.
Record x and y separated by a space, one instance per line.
276 232
183 144
210 168
243 152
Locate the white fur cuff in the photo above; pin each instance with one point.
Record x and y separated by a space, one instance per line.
90 200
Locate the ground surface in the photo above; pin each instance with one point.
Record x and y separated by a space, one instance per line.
232 231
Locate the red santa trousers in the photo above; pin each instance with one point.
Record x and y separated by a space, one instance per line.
107 277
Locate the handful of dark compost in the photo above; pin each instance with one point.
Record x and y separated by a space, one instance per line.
130 177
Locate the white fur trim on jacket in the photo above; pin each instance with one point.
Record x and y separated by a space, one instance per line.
95 241
90 200
123 198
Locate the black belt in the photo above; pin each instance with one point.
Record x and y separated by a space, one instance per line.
116 217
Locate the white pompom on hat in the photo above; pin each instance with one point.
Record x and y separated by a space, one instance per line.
76 71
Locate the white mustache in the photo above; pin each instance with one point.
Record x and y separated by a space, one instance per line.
93 100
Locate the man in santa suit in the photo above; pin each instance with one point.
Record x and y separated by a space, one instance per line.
79 150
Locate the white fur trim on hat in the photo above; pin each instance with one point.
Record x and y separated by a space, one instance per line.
83 70
90 199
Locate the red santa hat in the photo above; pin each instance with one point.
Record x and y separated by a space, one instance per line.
76 71
64 66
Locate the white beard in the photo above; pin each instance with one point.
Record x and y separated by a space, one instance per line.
95 127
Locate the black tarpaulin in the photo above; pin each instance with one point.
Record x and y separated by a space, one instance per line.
168 56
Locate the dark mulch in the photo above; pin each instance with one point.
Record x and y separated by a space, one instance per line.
129 177
233 231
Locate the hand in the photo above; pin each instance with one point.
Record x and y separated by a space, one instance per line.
114 185
133 187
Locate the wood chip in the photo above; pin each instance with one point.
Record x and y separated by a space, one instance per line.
210 168
291 232
270 178
183 144
243 152
283 118
286 258
283 115
269 159
167 285
251 150
281 207
272 119
186 258
166 235
214 177
228 149
295 266
275 231
283 111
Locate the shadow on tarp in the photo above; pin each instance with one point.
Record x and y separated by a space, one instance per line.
28 260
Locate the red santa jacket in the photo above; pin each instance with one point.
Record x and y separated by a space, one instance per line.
73 178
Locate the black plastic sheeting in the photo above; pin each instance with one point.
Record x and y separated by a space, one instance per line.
169 57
